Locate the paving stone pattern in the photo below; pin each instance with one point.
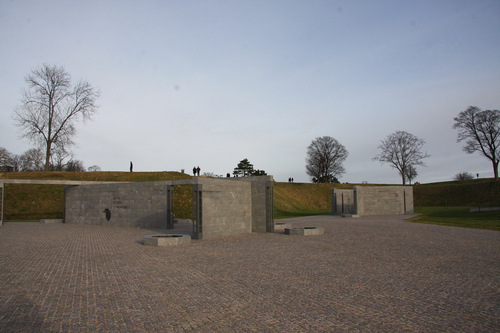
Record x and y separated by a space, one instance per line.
371 274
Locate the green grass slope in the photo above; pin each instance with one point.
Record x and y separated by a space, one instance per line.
473 193
302 199
458 217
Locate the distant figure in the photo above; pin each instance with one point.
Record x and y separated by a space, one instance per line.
131 166
289 180
228 175
198 171
194 171
477 175
292 180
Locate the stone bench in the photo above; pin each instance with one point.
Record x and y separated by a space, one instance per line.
167 240
305 231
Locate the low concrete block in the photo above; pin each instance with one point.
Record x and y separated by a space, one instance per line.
51 221
167 240
280 226
183 221
305 231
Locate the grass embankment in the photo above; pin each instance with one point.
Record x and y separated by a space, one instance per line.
303 199
458 217
448 203
473 193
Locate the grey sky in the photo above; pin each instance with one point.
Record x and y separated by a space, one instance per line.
210 83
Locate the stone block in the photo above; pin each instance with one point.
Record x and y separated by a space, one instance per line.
51 221
280 226
305 231
167 240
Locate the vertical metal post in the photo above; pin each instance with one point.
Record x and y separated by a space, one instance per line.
197 212
355 197
1 202
334 202
404 201
170 207
343 203
269 207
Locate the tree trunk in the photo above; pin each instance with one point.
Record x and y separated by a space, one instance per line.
495 171
47 156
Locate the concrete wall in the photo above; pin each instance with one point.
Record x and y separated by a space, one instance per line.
221 207
139 205
374 200
262 202
384 200
225 209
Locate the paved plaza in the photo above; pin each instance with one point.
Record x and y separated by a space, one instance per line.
369 274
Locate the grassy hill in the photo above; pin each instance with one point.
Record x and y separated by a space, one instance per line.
302 199
473 193
33 202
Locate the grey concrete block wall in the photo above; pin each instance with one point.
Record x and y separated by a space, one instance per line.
384 200
140 205
373 200
222 207
262 202
226 208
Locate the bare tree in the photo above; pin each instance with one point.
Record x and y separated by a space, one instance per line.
94 168
59 155
481 130
6 158
411 173
74 165
31 160
402 151
51 106
325 156
463 176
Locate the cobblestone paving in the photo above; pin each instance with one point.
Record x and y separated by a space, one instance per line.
372 274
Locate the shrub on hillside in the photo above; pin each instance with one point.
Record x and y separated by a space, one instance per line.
463 176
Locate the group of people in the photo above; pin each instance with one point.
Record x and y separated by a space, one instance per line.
290 180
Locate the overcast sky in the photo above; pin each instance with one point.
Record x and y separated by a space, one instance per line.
209 83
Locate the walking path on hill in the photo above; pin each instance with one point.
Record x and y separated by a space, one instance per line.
377 274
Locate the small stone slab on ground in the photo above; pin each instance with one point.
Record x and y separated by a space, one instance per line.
51 221
280 226
305 231
167 240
